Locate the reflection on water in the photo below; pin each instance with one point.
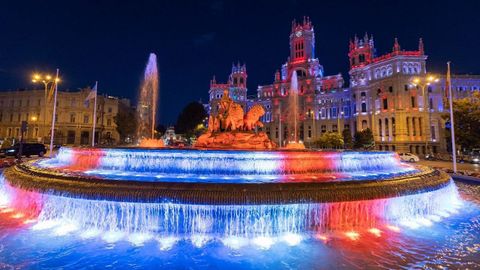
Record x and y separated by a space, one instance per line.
453 242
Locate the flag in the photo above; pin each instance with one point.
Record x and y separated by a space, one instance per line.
51 91
91 95
447 87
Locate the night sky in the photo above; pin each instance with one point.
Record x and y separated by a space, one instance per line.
110 42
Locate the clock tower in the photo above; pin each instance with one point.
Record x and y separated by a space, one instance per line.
302 41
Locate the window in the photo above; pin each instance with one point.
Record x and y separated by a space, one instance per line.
11 117
72 118
387 128
363 94
1 117
361 58
412 99
408 126
334 128
364 107
109 122
28 102
390 89
380 128
323 128
19 117
430 103
406 87
109 109
393 126
85 119
420 126
385 104
413 127
364 124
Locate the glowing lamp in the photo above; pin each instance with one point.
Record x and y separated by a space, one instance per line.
353 235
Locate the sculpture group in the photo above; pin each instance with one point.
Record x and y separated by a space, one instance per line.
231 117
231 128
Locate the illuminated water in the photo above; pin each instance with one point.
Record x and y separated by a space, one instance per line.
148 100
227 166
453 242
51 230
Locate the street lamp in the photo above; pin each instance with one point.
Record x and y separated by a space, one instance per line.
423 83
47 80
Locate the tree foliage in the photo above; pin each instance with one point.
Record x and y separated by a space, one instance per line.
466 114
190 118
329 140
347 139
364 139
126 121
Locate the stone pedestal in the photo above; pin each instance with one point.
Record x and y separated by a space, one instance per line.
235 140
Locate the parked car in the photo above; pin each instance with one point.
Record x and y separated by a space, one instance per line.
28 149
409 157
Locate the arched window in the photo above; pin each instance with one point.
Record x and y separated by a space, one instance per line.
364 107
364 124
361 58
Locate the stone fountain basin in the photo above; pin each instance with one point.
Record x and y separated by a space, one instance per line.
68 178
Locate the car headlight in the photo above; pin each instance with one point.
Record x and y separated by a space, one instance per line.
10 150
475 159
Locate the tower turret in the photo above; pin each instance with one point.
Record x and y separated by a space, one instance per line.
302 40
238 77
361 51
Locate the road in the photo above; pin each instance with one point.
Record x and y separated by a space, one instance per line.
449 165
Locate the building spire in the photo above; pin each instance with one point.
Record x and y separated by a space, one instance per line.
396 46
420 46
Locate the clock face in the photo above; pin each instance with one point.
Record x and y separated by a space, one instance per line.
298 33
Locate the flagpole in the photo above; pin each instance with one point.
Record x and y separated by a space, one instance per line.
94 114
452 126
52 132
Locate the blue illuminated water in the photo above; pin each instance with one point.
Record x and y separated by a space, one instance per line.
453 242
222 166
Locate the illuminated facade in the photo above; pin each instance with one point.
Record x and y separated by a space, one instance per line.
380 96
74 120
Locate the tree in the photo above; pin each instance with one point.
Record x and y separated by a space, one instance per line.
329 140
364 139
466 114
126 121
347 139
190 118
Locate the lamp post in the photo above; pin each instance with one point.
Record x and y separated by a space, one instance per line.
47 81
424 83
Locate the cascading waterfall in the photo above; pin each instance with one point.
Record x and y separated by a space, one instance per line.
230 224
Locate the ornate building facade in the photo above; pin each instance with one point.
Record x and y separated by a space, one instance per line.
74 120
380 96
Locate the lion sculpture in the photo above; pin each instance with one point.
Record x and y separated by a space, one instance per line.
251 119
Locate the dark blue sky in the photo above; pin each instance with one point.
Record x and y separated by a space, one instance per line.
110 42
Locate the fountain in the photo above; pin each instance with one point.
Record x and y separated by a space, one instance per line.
147 105
293 141
234 190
